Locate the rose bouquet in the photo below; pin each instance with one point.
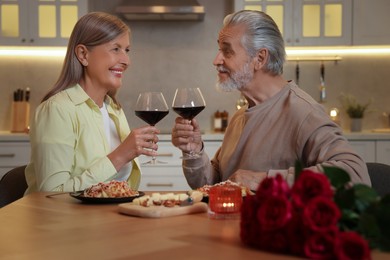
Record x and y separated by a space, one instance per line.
322 216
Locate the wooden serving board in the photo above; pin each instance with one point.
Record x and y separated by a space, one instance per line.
160 211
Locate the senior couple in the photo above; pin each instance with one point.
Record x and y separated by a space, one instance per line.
80 136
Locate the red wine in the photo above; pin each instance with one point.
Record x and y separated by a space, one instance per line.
151 117
188 112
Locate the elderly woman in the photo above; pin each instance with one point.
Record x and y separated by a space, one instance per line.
80 135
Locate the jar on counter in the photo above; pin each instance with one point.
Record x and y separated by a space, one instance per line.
225 120
217 121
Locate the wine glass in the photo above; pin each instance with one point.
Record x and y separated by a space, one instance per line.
151 107
188 102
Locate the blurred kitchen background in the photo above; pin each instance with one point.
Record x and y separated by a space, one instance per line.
166 55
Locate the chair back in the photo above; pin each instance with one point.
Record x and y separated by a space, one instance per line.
380 177
12 185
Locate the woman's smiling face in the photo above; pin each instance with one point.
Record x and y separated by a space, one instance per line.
107 62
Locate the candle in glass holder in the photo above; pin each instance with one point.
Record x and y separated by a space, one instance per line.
335 115
225 201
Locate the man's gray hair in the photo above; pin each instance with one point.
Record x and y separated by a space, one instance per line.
261 32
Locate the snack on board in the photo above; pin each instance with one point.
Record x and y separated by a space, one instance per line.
205 189
168 199
112 189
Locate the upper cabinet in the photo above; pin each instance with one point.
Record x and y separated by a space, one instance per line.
307 22
39 22
370 21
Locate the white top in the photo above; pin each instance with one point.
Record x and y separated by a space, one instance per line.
114 141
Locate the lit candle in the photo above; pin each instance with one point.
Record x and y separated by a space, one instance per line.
335 115
225 201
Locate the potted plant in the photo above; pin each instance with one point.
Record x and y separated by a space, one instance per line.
354 110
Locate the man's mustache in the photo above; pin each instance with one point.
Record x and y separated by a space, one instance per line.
221 68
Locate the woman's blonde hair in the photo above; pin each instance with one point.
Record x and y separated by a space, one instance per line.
91 30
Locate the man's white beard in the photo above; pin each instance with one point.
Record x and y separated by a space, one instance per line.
237 80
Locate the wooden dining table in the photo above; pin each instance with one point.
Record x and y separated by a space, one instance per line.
62 227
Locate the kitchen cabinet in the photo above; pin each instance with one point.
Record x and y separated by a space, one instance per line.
307 22
39 22
366 149
167 174
373 150
12 155
370 20
383 152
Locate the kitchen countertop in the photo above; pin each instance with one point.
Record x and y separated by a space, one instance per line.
206 136
366 135
6 136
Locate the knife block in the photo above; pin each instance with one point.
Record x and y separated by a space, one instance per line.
20 117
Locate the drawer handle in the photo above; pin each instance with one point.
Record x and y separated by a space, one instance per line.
159 184
7 155
165 155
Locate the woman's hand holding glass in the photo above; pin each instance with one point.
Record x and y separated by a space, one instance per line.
140 141
151 107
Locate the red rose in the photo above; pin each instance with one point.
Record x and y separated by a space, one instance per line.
274 213
321 214
249 231
320 245
308 186
296 234
302 221
273 186
351 245
251 234
274 241
248 209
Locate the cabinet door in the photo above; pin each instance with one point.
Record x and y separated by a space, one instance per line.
366 149
167 174
167 155
13 154
14 17
39 22
322 22
307 22
383 152
52 21
279 10
163 178
211 147
370 21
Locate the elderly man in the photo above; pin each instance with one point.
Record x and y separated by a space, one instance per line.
281 123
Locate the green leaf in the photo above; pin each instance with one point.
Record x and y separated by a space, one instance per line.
364 196
386 199
382 213
369 228
298 168
345 198
384 244
349 220
337 177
